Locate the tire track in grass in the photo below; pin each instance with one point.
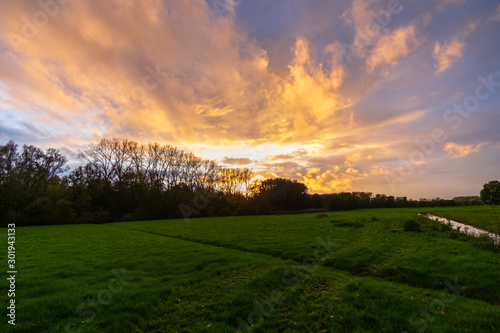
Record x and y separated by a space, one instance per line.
352 271
209 243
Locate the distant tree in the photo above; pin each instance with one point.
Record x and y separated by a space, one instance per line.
78 190
343 201
282 193
490 194
25 177
264 207
467 200
232 181
315 201
10 189
363 199
8 159
100 157
379 201
124 179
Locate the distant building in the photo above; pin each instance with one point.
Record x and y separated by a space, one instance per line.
401 199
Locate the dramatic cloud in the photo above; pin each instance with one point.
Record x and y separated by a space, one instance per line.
127 66
187 83
343 178
306 100
317 181
258 84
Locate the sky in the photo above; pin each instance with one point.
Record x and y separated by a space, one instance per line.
400 97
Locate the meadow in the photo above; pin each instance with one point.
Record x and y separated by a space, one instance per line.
355 271
482 217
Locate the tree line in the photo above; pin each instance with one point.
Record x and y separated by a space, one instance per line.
120 180
124 180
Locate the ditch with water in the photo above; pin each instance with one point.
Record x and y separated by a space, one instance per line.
463 228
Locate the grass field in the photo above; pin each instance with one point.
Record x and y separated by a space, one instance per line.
356 271
482 217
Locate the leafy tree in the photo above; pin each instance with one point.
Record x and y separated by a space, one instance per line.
315 201
282 193
232 181
264 207
8 160
123 179
343 201
9 184
490 194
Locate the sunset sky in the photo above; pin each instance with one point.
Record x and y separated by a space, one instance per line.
387 96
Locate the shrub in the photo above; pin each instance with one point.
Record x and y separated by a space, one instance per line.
128 217
63 212
40 212
411 225
343 223
445 227
226 211
264 207
102 216
486 243
242 209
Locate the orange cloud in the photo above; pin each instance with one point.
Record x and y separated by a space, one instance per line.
326 182
341 178
362 19
390 48
307 99
456 150
182 73
127 65
144 68
447 53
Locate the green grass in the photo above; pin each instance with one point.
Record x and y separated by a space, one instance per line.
352 271
482 217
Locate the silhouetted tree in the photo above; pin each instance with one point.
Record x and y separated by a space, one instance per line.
123 180
282 193
490 194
